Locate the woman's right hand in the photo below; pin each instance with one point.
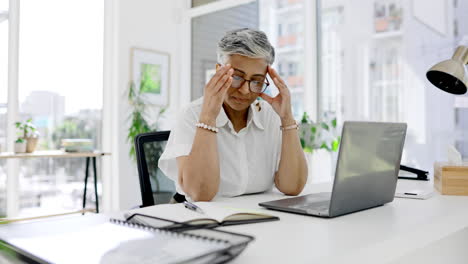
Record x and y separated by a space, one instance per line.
215 90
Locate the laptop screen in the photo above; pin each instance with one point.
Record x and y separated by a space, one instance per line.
368 165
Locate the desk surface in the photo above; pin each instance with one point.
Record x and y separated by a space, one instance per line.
381 235
51 154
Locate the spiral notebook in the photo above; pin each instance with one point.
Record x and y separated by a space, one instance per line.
117 241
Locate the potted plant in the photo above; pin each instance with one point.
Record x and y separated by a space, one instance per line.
139 124
320 142
29 134
20 145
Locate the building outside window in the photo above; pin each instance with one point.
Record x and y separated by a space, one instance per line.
331 59
288 17
373 58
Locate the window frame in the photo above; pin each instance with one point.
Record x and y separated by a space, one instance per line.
109 118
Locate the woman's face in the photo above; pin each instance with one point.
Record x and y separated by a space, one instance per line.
241 98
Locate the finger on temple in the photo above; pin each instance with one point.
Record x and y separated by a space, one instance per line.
275 76
278 84
267 98
273 73
224 79
226 85
218 75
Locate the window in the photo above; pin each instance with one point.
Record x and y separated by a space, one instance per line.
292 69
286 16
60 88
3 98
331 59
385 81
293 28
373 60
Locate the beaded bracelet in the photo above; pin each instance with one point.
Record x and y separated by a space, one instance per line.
207 127
294 126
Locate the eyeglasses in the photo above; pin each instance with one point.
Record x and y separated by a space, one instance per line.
255 86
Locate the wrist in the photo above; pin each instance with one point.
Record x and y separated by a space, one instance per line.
288 120
207 119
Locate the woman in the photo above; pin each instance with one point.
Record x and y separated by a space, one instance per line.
226 144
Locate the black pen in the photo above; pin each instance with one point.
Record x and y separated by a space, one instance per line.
193 207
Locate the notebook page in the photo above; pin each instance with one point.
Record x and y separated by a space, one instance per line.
220 213
112 243
174 212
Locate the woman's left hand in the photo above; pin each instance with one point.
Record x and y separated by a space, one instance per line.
282 102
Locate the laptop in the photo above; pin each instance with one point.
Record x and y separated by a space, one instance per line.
366 172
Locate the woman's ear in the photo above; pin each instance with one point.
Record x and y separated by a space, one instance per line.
217 66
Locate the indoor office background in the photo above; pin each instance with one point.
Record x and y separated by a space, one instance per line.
353 60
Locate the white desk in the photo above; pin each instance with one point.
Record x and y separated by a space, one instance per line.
379 235
403 229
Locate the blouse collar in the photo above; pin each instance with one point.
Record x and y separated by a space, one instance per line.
253 114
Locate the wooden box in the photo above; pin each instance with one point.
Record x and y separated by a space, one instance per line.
451 179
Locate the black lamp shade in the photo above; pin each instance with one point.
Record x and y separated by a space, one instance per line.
450 75
446 82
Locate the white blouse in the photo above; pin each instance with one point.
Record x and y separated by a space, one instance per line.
248 159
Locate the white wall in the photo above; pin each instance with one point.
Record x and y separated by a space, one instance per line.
148 24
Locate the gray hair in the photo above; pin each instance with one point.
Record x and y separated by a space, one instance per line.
247 42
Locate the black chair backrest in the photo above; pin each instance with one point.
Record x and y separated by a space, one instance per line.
155 187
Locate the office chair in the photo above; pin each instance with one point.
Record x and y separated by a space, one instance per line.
156 188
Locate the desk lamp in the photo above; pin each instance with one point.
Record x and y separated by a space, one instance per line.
450 75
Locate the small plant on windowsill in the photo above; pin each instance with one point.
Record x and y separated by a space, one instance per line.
29 136
20 145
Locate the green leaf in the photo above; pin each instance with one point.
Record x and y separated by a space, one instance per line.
313 129
324 146
325 126
305 118
302 143
335 145
333 122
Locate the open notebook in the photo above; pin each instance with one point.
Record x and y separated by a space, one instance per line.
213 214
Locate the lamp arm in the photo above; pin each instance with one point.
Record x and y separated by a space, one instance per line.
461 54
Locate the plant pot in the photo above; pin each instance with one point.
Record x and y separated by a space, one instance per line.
320 166
20 147
31 144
